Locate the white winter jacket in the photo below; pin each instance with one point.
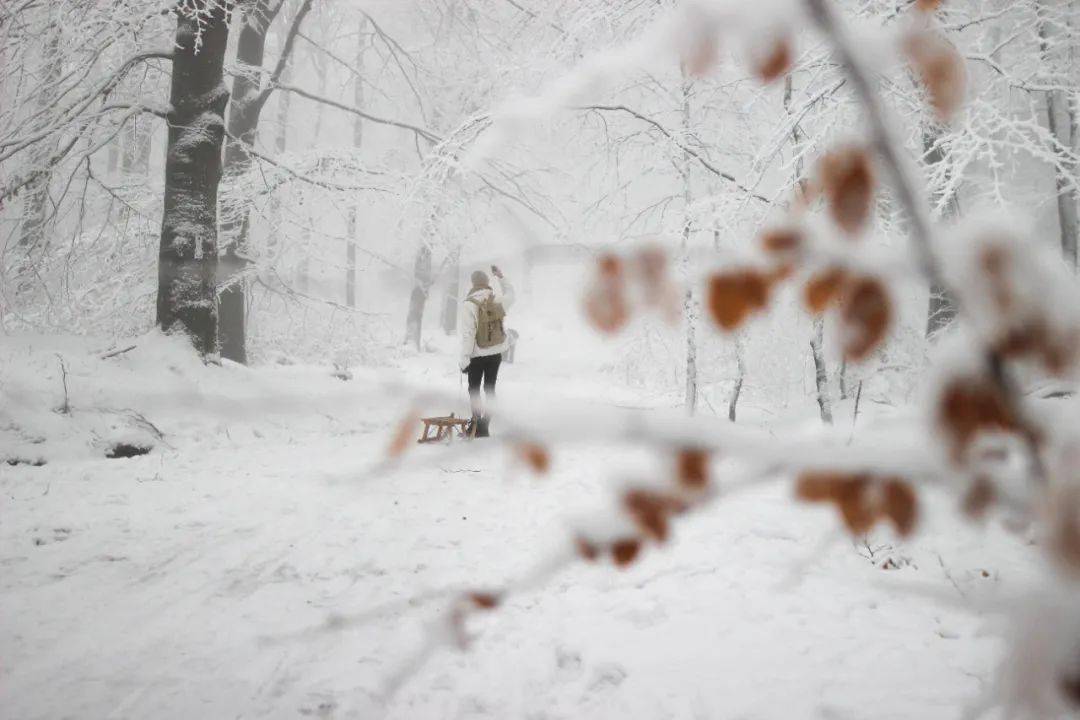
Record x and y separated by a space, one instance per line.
469 315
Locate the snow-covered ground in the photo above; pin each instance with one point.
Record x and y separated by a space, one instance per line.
198 580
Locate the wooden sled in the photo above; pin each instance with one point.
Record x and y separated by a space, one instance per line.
443 429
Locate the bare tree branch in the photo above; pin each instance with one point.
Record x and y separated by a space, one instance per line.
704 162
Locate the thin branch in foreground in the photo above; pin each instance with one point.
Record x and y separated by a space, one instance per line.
887 148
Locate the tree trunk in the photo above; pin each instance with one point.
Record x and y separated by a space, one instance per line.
421 285
821 374
1061 121
135 156
143 145
244 112
187 258
358 142
31 238
689 304
740 361
941 310
281 122
691 352
817 341
304 268
453 287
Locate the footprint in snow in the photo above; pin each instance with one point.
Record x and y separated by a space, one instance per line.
59 534
607 676
324 709
568 664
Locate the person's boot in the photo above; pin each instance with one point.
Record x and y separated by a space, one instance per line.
473 428
482 427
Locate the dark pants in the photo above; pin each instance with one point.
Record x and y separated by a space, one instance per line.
484 370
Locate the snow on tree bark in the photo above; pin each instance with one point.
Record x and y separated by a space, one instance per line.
244 111
187 257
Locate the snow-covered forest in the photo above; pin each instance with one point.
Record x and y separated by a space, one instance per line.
781 297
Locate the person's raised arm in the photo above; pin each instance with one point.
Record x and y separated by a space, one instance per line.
507 289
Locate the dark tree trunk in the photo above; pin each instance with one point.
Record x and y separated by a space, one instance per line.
942 307
244 111
1061 122
418 298
188 258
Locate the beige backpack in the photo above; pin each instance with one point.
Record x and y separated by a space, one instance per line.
489 322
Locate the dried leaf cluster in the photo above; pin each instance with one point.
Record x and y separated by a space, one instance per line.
862 499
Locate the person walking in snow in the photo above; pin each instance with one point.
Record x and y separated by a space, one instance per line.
484 339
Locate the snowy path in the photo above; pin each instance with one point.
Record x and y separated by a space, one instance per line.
151 589
197 582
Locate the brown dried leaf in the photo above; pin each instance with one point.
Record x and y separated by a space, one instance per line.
403 434
969 406
701 53
1034 339
855 509
819 486
606 306
867 316
535 456
1069 684
848 182
782 242
848 491
610 266
1064 528
586 548
733 296
901 505
692 468
980 495
652 265
995 260
941 69
781 272
823 289
659 293
927 6
625 551
776 62
485 600
650 511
